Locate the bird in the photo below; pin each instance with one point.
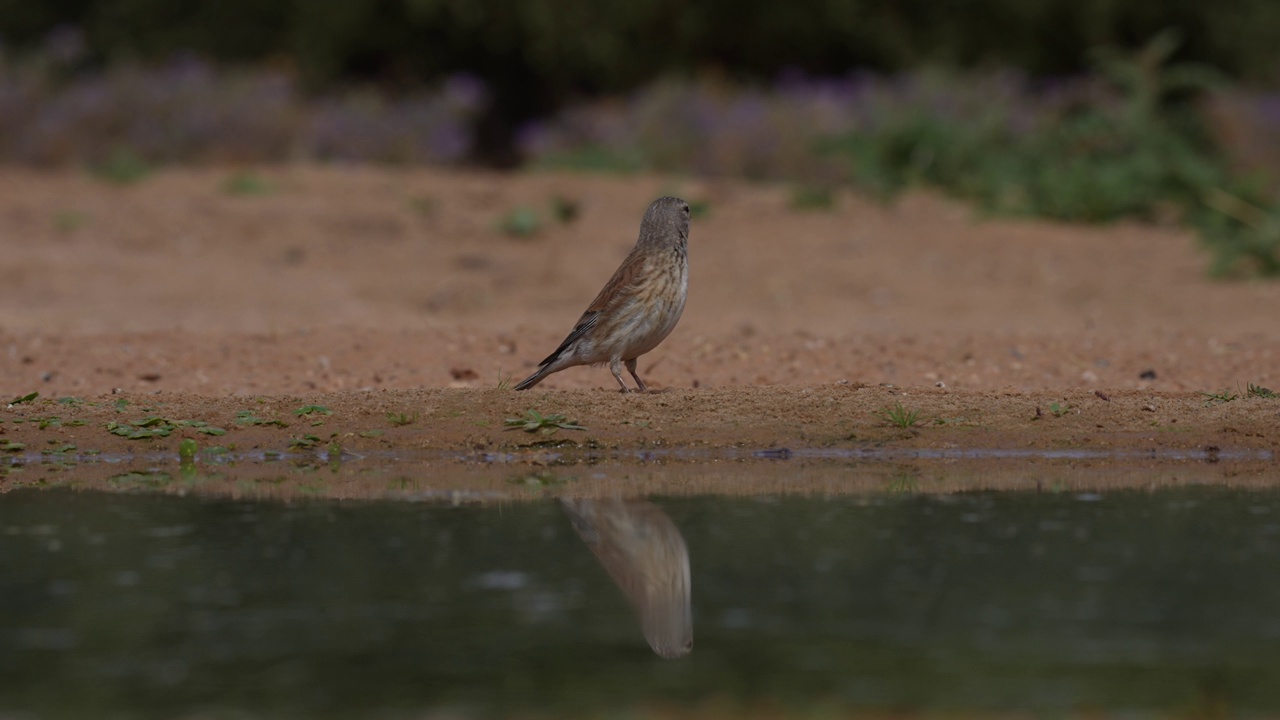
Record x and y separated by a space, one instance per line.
639 306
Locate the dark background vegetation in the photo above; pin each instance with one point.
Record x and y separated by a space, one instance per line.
537 55
612 45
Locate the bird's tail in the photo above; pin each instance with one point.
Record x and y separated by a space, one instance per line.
535 378
555 361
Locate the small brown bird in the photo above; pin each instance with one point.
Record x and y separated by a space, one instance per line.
640 304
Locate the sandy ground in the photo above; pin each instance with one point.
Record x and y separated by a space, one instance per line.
375 291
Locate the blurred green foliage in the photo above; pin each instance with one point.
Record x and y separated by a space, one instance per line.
1096 159
812 197
1088 168
1145 157
247 183
1240 225
122 166
520 222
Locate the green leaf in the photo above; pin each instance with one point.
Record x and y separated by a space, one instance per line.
306 441
534 421
246 417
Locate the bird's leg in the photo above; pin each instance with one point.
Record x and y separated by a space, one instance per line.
631 368
615 367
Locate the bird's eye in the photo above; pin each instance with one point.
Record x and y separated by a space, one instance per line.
685 208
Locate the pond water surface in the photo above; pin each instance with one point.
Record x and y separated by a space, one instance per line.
1126 601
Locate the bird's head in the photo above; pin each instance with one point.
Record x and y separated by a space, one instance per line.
666 219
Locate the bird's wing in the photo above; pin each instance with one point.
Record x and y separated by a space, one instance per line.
585 323
623 282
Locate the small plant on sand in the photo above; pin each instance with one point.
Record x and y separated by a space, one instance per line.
144 429
1225 396
312 410
401 419
900 416
1059 409
122 167
22 399
247 184
305 442
534 421
202 427
521 222
564 210
59 448
1261 392
812 197
69 220
504 380
246 417
158 427
423 206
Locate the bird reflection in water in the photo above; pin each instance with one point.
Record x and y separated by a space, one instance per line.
645 554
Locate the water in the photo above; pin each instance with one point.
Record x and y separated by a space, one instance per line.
1128 601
